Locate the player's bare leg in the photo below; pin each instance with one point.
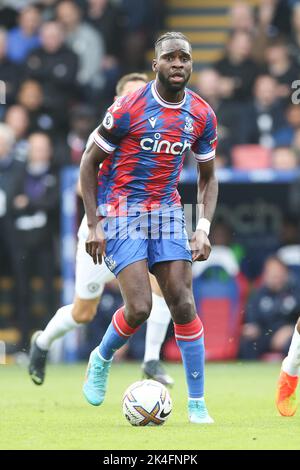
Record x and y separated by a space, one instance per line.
288 379
157 326
67 318
175 280
136 291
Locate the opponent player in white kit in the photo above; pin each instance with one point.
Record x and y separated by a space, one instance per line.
90 280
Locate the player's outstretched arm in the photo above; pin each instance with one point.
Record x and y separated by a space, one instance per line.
91 159
207 200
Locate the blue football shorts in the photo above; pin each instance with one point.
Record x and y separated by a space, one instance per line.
156 236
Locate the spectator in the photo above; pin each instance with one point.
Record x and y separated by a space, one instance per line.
86 42
237 69
47 8
284 159
11 172
17 118
222 235
222 262
241 17
106 18
286 134
31 97
82 122
8 15
280 66
55 67
264 29
289 242
281 20
10 72
228 114
295 34
265 15
262 117
25 37
143 19
271 313
34 209
289 231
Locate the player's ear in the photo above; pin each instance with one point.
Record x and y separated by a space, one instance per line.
154 65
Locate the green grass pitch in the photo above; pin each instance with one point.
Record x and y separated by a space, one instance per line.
240 397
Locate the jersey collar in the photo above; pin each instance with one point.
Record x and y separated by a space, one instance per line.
164 103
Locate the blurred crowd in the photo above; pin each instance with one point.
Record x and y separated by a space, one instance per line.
251 87
60 61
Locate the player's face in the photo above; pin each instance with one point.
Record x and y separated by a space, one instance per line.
174 64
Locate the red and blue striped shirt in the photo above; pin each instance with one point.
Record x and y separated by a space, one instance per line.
147 139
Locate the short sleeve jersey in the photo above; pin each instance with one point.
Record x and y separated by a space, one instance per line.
147 139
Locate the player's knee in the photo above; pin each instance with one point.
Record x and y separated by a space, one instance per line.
88 315
86 312
139 311
183 310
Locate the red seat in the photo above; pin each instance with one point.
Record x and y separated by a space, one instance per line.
251 157
221 332
171 351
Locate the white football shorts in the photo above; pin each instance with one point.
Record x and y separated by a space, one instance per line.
90 278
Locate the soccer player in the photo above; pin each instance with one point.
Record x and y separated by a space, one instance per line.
137 222
90 280
289 377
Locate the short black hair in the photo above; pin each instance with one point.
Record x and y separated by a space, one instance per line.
167 37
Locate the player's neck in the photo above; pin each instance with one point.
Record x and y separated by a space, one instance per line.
167 95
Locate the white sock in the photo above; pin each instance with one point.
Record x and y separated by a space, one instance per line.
291 364
157 326
58 326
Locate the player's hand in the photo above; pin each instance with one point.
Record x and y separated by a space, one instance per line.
200 246
95 243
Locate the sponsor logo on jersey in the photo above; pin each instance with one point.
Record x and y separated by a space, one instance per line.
158 145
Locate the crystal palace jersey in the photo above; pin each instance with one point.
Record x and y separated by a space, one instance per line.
147 139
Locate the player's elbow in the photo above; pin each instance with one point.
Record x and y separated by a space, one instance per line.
92 157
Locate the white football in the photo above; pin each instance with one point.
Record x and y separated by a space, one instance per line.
147 403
